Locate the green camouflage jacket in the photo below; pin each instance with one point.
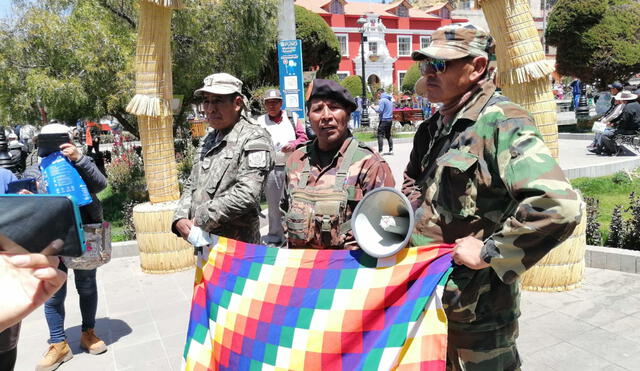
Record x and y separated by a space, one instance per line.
222 194
489 175
368 170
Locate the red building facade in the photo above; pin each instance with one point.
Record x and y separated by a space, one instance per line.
392 31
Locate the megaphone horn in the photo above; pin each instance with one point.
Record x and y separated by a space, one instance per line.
382 222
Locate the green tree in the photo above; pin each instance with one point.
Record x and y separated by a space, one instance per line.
319 44
409 82
320 47
596 39
353 84
62 62
76 57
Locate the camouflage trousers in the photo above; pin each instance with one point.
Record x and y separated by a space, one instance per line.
493 350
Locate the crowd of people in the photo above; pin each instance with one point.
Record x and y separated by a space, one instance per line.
479 177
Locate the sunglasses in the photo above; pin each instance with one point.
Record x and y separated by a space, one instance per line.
433 65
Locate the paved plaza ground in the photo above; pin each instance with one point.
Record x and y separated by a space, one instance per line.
143 318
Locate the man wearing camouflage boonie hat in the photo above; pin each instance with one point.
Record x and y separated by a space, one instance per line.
480 177
222 194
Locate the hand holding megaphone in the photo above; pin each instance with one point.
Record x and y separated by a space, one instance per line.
382 222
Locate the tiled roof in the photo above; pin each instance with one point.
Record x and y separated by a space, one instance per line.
358 8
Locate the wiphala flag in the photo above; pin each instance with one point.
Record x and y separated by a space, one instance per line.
259 308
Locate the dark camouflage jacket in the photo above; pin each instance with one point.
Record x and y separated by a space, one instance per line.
368 171
222 194
488 174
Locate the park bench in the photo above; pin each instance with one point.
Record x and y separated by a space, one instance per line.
409 116
630 142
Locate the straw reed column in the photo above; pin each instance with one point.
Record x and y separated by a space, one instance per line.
523 75
160 250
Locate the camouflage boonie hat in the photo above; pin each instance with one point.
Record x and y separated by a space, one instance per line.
456 41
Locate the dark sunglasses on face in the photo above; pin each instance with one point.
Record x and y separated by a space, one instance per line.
433 65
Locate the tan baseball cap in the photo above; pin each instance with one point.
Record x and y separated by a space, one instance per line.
272 94
456 41
220 83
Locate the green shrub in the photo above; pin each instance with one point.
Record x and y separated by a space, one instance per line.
126 175
631 239
594 237
621 178
409 82
617 228
353 84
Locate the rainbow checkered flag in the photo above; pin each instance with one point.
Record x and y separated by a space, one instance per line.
257 307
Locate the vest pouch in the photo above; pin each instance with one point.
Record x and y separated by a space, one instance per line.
328 218
314 218
298 220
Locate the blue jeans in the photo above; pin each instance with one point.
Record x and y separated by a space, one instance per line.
54 307
356 118
576 101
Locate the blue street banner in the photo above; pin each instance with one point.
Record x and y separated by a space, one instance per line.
291 77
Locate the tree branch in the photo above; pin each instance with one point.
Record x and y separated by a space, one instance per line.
119 13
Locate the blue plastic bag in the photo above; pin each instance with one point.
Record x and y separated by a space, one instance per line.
62 178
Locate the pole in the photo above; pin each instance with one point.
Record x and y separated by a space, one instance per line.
286 21
544 26
364 121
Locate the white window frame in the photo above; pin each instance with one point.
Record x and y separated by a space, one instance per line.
428 38
370 49
398 45
400 80
346 73
346 41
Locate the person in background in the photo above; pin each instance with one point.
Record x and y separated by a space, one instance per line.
85 280
6 177
357 114
626 124
576 88
385 110
609 119
286 135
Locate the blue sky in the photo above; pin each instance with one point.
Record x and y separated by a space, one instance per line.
5 8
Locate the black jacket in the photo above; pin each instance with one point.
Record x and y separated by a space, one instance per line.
629 120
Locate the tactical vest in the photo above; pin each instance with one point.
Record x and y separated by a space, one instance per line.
317 216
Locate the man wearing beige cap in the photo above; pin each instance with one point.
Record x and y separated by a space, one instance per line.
222 194
481 178
286 135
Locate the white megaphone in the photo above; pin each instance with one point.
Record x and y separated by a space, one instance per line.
382 222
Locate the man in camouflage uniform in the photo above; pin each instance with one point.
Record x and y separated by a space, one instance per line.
480 177
333 161
222 194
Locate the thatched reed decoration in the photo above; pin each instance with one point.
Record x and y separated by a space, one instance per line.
561 269
154 91
160 168
160 250
523 71
154 84
523 76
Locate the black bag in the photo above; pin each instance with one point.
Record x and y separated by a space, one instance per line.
34 221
